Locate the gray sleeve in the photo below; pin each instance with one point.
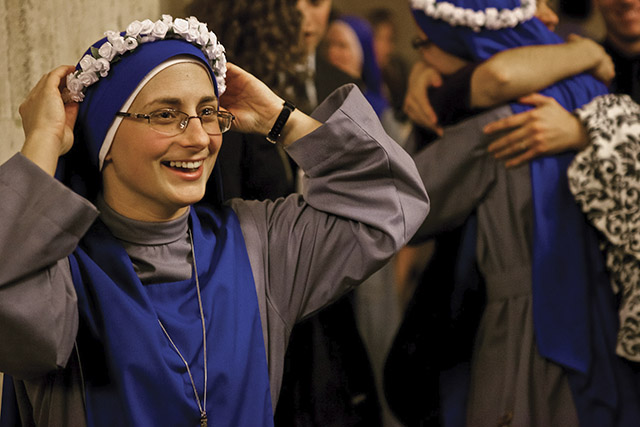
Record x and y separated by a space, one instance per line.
457 171
363 201
41 224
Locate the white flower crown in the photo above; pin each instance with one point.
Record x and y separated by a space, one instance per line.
491 18
98 63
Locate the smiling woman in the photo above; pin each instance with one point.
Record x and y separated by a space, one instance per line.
130 303
146 180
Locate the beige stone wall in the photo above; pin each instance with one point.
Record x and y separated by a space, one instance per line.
39 35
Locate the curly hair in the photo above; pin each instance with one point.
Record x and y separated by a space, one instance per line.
263 37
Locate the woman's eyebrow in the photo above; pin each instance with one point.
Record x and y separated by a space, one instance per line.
209 100
176 102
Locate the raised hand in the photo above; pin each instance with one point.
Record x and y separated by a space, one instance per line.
253 104
416 102
546 129
256 107
47 120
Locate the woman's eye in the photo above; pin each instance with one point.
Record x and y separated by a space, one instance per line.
208 111
165 114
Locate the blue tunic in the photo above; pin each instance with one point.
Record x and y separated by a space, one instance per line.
133 376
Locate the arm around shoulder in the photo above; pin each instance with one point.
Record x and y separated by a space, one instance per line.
520 71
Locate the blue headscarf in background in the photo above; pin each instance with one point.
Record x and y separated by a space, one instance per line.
371 74
574 312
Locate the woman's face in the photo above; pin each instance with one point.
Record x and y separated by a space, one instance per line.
343 49
139 179
315 18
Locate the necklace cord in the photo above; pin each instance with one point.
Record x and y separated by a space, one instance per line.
201 406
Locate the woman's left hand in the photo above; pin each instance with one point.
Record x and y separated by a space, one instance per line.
546 129
256 107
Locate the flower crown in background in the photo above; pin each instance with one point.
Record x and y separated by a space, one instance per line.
98 63
490 18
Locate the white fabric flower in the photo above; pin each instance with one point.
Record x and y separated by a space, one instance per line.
98 63
134 28
212 38
119 45
490 18
131 43
181 27
88 79
203 35
146 27
160 29
87 63
107 51
111 36
75 87
103 66
193 22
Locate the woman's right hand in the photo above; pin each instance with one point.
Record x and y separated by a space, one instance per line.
47 120
546 129
416 102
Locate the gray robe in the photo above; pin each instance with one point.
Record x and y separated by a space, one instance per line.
511 384
364 200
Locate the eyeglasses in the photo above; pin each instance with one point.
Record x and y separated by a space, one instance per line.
420 43
172 122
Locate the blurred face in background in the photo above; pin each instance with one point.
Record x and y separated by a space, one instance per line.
315 19
622 19
383 42
343 49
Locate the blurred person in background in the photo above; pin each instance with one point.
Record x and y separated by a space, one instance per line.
395 69
622 42
327 374
440 47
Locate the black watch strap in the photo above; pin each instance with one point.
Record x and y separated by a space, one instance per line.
276 130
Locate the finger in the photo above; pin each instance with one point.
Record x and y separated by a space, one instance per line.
520 159
436 79
58 76
508 143
509 122
416 114
535 99
512 150
429 112
71 113
421 119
